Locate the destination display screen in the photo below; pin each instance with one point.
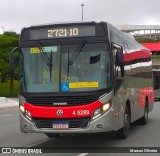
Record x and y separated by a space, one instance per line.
62 32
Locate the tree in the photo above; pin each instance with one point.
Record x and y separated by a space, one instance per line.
8 41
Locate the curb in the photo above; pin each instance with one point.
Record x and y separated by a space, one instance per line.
9 107
8 103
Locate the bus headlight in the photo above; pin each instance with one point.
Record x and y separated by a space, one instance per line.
25 112
100 111
97 113
28 115
22 109
106 107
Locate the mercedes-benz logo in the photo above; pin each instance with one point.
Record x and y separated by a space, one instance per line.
59 112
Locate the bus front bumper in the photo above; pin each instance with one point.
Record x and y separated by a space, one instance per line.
102 124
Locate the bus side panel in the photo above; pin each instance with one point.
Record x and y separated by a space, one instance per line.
146 92
136 86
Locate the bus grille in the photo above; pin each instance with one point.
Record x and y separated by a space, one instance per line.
73 123
69 100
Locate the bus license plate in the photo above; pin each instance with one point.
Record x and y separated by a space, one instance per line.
60 125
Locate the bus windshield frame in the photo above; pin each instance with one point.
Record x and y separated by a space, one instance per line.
90 71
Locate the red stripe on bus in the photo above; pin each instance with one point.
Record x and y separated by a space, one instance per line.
136 55
68 111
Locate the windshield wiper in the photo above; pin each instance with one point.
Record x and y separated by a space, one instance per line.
44 55
77 52
74 56
46 59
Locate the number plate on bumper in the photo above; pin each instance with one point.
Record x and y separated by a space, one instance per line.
60 125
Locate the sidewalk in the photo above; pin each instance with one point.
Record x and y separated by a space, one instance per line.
8 103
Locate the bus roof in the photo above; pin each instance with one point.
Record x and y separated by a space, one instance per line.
64 23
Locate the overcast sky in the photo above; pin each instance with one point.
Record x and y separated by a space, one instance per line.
16 14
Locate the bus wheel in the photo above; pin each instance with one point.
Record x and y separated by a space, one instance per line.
123 132
51 135
144 119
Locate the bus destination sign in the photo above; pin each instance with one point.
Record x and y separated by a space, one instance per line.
62 32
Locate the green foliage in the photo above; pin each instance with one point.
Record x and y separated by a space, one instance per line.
11 33
143 40
8 41
5 89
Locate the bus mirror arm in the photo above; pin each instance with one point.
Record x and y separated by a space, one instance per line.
12 62
122 70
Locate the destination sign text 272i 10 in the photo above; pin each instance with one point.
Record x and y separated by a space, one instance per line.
62 32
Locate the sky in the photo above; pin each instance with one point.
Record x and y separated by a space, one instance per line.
16 14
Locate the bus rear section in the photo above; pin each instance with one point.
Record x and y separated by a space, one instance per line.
156 81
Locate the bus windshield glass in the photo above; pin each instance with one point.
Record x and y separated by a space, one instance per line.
49 68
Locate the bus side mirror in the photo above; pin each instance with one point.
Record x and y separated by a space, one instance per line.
12 62
119 58
120 61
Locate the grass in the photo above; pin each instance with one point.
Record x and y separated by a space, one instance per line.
5 89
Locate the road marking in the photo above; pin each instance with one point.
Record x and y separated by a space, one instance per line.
7 115
35 144
82 154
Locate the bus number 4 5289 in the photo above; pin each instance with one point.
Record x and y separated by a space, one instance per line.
80 112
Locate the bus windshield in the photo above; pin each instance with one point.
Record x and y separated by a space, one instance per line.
49 68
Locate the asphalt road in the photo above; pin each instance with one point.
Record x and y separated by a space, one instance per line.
139 136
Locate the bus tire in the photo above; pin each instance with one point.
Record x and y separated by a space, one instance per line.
123 132
144 119
52 135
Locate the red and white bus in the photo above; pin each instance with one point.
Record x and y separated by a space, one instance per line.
82 77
